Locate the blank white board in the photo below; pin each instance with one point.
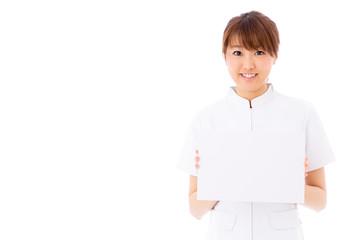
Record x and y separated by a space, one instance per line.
252 166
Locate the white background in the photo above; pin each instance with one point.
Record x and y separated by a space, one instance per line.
96 98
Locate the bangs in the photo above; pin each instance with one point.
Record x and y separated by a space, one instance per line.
246 41
249 36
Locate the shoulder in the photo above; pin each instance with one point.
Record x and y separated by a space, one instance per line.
215 108
295 103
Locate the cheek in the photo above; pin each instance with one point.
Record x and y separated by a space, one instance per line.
266 64
232 66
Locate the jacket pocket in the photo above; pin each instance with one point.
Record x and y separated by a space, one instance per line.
222 220
285 219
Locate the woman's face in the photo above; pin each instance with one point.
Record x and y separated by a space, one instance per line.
249 68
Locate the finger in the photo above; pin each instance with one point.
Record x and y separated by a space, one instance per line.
197 166
306 164
197 151
197 159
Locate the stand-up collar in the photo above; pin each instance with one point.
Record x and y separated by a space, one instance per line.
265 97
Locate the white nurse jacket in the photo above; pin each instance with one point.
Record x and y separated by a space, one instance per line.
271 111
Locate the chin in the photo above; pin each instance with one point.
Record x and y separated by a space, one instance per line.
250 87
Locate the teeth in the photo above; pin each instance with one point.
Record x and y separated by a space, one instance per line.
248 75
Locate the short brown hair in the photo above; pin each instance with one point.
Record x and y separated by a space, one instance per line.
252 30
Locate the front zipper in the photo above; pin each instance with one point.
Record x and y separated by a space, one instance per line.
251 127
252 217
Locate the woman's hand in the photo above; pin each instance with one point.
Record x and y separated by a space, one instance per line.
306 166
197 160
211 202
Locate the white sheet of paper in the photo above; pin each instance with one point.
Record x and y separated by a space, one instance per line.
251 166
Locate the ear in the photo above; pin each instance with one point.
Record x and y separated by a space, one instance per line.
224 59
274 61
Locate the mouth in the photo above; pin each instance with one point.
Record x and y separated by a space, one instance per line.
248 76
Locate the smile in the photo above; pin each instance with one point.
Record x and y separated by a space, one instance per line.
248 75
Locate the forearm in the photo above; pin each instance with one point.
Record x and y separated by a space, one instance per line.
198 208
315 198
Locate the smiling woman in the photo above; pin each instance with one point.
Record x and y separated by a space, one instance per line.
250 47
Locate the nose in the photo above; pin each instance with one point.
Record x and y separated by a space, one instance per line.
248 63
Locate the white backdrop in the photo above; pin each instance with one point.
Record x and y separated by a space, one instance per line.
96 98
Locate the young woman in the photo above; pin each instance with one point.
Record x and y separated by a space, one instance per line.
250 48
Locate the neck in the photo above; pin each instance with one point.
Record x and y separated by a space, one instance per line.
250 95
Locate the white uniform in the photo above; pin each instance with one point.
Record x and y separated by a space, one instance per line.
269 112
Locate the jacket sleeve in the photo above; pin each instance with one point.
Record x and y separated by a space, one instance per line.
317 146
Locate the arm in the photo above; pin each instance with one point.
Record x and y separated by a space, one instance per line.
198 208
315 190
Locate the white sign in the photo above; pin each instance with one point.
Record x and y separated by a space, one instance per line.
251 166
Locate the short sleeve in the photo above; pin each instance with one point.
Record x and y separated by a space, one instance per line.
317 146
186 162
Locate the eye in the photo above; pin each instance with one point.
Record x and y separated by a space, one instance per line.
237 53
259 53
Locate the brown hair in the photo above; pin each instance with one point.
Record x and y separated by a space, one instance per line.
252 30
